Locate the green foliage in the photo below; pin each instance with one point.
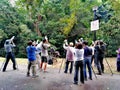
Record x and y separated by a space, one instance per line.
58 19
111 35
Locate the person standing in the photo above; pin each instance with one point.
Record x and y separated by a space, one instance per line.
9 45
79 57
118 59
101 55
44 54
97 60
38 51
31 49
87 60
69 56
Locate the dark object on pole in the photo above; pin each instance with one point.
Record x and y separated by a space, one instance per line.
109 66
95 18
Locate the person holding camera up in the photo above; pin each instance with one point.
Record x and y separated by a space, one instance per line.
44 54
31 49
69 56
9 45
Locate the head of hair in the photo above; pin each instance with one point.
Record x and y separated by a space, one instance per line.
44 40
79 46
29 43
101 42
85 43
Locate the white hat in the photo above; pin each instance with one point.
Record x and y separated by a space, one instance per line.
71 43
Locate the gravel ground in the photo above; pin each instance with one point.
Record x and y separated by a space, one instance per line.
52 80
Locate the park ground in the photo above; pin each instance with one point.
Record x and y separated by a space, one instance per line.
55 80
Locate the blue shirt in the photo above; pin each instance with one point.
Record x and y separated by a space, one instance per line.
87 52
31 53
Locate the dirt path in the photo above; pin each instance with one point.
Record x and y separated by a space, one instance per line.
52 80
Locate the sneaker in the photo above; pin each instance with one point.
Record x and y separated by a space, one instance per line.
98 73
76 83
85 79
3 70
28 75
65 72
90 78
34 76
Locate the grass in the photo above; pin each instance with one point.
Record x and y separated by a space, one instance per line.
111 62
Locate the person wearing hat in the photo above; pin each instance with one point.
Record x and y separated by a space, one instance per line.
69 56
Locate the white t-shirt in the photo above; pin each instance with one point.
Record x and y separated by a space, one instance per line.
79 54
44 49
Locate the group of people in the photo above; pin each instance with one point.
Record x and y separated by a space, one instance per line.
33 53
81 56
37 53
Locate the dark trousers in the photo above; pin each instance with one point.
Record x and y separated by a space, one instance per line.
101 63
118 65
71 66
79 68
9 56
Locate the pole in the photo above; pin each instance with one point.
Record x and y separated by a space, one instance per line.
95 18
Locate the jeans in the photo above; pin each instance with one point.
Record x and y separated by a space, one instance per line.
71 66
9 56
99 64
87 62
78 64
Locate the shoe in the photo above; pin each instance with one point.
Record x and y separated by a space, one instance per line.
85 79
65 72
34 76
45 71
28 75
15 69
75 83
90 78
82 82
3 70
98 73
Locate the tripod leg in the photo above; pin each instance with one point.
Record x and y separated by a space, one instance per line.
2 65
94 72
61 65
109 66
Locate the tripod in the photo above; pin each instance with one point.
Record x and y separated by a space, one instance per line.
109 66
61 65
107 62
